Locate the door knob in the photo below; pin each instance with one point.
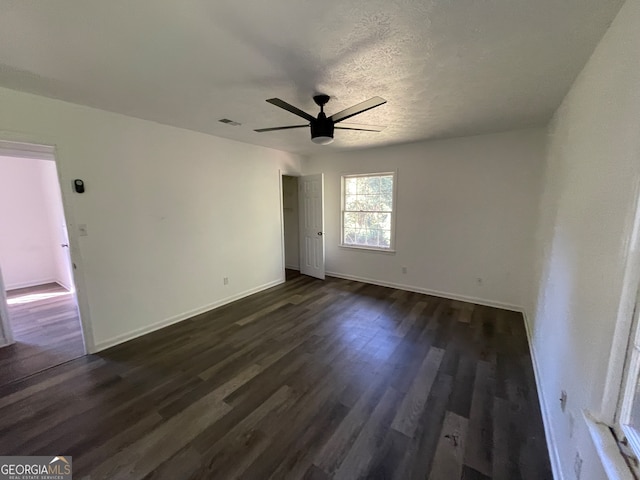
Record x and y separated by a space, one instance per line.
64 245
320 233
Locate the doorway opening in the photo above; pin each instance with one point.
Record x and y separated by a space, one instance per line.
291 225
303 241
38 297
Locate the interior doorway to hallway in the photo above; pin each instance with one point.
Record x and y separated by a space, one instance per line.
290 216
303 224
43 327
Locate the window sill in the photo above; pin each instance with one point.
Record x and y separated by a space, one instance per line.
384 251
612 460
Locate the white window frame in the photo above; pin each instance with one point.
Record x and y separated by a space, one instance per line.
613 437
627 339
628 394
393 213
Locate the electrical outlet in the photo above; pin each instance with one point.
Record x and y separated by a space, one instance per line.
225 281
563 400
404 269
577 466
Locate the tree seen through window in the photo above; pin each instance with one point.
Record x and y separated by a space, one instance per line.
368 207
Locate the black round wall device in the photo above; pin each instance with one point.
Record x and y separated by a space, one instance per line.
78 185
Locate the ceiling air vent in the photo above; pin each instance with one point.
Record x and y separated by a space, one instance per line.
229 122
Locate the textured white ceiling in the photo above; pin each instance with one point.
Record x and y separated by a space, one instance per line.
447 68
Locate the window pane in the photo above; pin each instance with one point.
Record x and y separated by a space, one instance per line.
381 221
350 235
634 419
373 229
386 184
373 184
372 238
361 237
366 202
386 221
368 206
377 204
351 203
362 185
350 186
385 239
386 200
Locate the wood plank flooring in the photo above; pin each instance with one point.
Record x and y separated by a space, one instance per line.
307 380
46 328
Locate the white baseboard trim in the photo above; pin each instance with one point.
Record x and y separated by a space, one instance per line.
292 267
427 291
33 283
63 285
179 318
552 444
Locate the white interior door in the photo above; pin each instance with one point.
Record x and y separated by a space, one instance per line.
68 265
311 200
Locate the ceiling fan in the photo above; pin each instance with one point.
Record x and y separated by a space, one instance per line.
323 126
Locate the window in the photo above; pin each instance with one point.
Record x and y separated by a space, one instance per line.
628 418
615 429
368 211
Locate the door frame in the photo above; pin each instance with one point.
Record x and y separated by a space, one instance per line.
27 146
6 334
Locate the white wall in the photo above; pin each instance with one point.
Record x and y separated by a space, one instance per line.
587 210
291 223
165 223
28 246
465 210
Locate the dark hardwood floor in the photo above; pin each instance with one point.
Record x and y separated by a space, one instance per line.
46 327
310 379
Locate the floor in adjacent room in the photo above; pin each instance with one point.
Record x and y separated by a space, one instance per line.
46 328
310 379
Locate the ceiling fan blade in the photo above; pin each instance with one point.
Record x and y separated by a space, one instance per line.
356 109
279 128
359 129
360 126
290 108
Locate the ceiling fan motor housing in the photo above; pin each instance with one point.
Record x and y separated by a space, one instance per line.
322 127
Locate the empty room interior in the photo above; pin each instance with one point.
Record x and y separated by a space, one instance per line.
321 240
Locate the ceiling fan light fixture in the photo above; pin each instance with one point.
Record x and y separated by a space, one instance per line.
321 140
322 127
